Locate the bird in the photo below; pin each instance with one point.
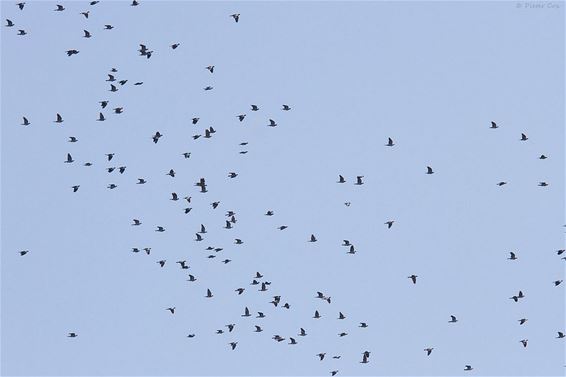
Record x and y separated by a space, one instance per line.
258 328
113 88
195 120
334 373
292 341
241 117
413 278
543 184
94 2
160 229
174 196
9 23
202 184
524 342
141 181
269 213
87 34
321 355
235 16
542 157
359 181
112 186
429 170
522 321
26 122
171 173
342 334
240 290
272 123
72 335
21 5
108 27
192 278
147 250
110 170
363 325
468 368
122 82
156 137
228 225
187 154
118 110
255 107
199 237
246 312
286 108
230 327
557 282
134 3
24 252
560 335
302 332
208 294
215 205
341 316
23 32
207 88
210 68
172 310
59 8
260 315
453 319
122 169
238 241
69 159
501 183
161 263
282 227
524 137
233 345
202 229
428 351
313 238
493 125
191 336
512 256
183 264
389 223
136 222
316 314
389 142
85 13
365 359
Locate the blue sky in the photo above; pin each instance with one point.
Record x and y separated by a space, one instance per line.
430 75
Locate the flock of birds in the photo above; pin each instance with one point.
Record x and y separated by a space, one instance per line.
258 280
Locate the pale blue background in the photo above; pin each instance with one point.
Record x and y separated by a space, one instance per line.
431 75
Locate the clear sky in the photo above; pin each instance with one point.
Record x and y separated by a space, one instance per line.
430 75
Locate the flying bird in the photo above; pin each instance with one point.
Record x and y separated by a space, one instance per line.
493 125
413 278
25 122
313 238
208 293
9 23
286 108
235 16
524 137
359 181
512 256
59 8
453 319
87 34
341 179
390 142
69 159
429 170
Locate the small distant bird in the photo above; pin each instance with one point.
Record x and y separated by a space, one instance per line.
286 108
172 310
389 223
228 225
141 181
557 282
334 373
241 117
136 222
103 104
171 173
110 170
232 175
413 278
501 183
147 250
347 204
21 5
206 88
59 8
258 329
468 368
174 196
260 315
72 335
118 110
195 120
560 335
524 342
522 321
233 345
272 123
365 359
208 293
246 312
94 2
230 327
493 125
210 68
122 82
428 351
134 3
313 238
316 314
9 23
24 252
341 179
341 316
72 52
25 122
138 83
542 157
187 154
255 107
292 341
215 204
390 142
512 256
363 325
156 137
524 137
240 290
87 34
69 159
235 16
111 186
429 170
23 32
191 336
160 229
192 278
183 264
85 13
113 88
238 241
161 263
543 184
453 319
108 27
359 180
122 169
282 227
321 355
175 45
